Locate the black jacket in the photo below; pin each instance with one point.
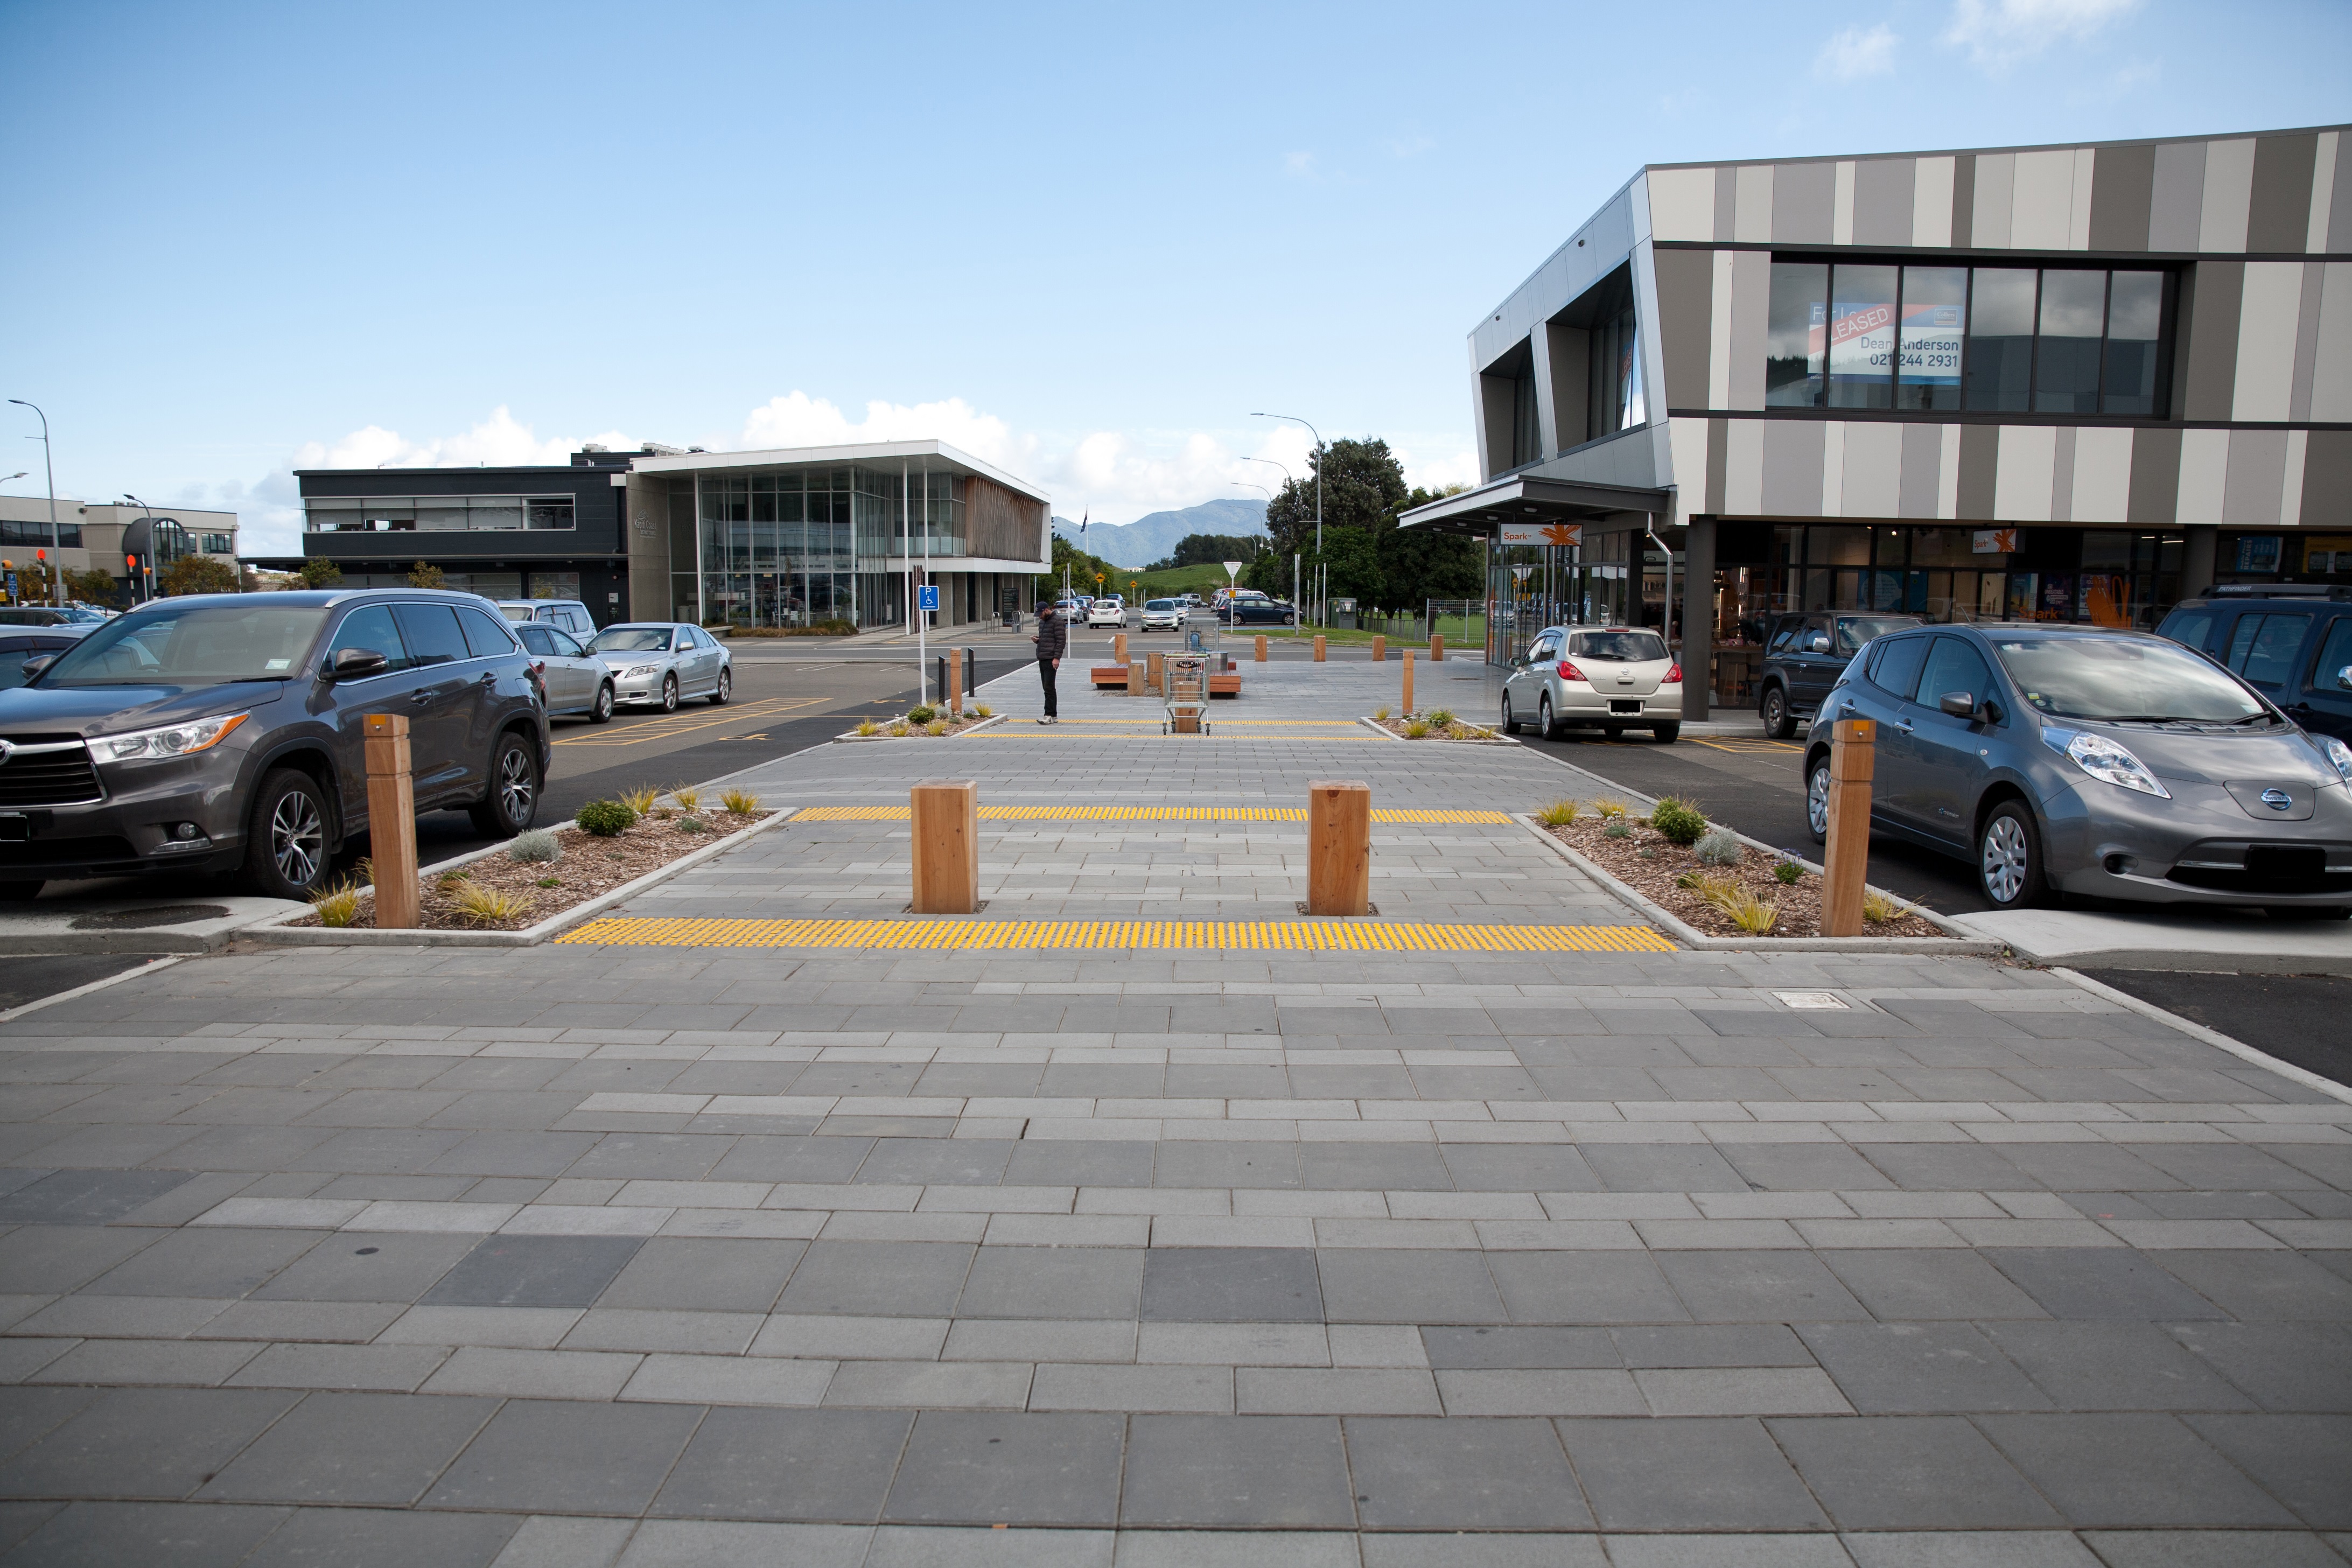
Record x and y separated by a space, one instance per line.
1053 639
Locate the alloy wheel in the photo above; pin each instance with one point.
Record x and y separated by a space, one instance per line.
298 838
516 787
2005 858
1817 801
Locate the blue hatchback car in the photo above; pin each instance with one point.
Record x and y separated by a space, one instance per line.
2115 765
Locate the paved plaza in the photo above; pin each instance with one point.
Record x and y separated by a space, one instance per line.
596 1254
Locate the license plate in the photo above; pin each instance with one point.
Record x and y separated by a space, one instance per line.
2278 864
1625 705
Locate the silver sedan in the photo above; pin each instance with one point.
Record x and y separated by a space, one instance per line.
664 662
571 679
1609 677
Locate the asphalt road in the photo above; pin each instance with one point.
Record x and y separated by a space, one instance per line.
2297 1018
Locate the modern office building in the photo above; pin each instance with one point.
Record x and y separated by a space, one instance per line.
781 538
100 535
2056 383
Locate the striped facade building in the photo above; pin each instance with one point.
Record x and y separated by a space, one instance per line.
2053 383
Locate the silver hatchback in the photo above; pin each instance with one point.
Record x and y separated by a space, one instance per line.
1611 679
664 662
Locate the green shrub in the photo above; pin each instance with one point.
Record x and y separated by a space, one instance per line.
1617 829
536 848
1788 873
1720 848
1680 821
1559 814
920 714
606 818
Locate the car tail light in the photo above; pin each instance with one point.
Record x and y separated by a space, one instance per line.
1570 672
1674 674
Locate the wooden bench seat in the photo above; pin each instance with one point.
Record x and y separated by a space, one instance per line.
1225 685
1109 675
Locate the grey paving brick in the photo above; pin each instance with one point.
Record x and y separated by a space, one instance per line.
1519 1168
383 1537
1970 1549
357 1265
2285 1366
1373 1167
1584 1288
983 1467
1224 1164
1525 1550
1663 1168
1711 1344
959 1384
1900 1368
1287 1471
899 1279
1463 1475
627 1329
2101 1282
2115 1366
812 1466
567 1457
1388 1284
44 1259
352 1448
140 1442
1231 1285
1765 1286
1521 1347
394 1368
160 1362
26 1413
534 1271
2305 1461
1923 1283
2124 1470
2264 1285
1692 1474
216 1262
179 1534
2211 1548
1903 1472
1098 1387
1074 1163
548 1541
1050 1282
697 1276
87 1197
951 1161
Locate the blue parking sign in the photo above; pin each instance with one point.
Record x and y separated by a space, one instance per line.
926 598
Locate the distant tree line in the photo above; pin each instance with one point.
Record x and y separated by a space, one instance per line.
1213 550
1372 560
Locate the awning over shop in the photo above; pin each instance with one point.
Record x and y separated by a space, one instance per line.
1526 500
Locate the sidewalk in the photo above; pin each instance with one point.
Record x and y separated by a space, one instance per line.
594 1254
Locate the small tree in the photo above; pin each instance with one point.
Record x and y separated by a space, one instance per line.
425 574
93 587
196 575
320 572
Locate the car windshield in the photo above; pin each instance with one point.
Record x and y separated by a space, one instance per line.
1159 603
2123 680
632 640
1621 648
1853 631
201 645
515 612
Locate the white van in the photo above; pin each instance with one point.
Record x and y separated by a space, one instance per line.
570 615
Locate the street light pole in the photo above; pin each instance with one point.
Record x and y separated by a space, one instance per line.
1294 419
55 553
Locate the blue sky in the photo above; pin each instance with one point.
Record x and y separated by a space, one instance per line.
1081 241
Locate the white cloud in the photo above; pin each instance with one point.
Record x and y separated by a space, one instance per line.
799 420
1299 164
1855 53
1999 33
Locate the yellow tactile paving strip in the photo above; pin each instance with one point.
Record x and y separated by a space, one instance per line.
1143 814
1294 936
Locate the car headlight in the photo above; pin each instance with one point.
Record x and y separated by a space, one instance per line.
172 741
635 671
2105 759
2338 753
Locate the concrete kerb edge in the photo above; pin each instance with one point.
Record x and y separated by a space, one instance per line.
276 930
1489 739
1692 937
2213 1037
150 967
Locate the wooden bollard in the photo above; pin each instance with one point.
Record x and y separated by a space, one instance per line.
1408 681
1319 648
955 681
1845 862
1261 647
1379 649
1135 678
391 821
1118 648
1338 847
1437 647
1155 670
946 816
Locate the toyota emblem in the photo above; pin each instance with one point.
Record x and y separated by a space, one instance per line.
2277 799
7 750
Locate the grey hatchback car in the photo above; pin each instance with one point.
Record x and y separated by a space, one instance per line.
2112 764
223 732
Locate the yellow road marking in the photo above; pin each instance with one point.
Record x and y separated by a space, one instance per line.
1334 936
675 724
1746 747
1142 814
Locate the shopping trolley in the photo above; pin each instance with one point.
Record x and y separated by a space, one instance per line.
1184 687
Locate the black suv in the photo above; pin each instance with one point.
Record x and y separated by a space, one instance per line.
223 733
2291 643
1803 657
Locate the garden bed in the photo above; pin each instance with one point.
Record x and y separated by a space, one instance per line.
587 868
1427 727
1655 866
939 723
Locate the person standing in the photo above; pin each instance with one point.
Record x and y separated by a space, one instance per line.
1052 640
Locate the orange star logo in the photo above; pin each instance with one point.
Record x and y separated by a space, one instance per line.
1563 534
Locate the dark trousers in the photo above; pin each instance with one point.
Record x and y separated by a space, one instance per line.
1046 678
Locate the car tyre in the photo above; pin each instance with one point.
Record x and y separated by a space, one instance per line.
669 694
1817 799
2009 857
20 892
600 710
512 801
724 689
286 838
1779 723
1667 734
1290 620
1510 725
1544 725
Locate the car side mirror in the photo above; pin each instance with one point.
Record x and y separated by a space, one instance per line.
33 666
353 662
1818 644
1958 704
2343 679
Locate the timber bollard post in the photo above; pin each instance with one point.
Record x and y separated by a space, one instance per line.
955 681
1261 647
391 821
1379 649
1338 846
1437 647
1135 678
1319 648
1846 859
1118 648
1406 712
946 819
1156 667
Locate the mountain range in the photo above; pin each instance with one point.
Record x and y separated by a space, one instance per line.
1137 544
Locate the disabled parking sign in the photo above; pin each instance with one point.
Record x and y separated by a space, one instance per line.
926 598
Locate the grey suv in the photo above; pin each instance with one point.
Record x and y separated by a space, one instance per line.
223 733
1805 655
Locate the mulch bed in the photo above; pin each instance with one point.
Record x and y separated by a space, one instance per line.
1648 861
1459 729
946 724
589 867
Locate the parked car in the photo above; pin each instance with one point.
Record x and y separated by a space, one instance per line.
34 615
1192 600
1109 610
1163 614
1803 657
2115 765
1251 608
662 662
571 679
21 645
2293 644
1611 679
223 732
568 613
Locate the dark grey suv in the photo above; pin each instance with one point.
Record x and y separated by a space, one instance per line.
1805 655
223 733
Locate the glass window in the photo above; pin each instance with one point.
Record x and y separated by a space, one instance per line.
2333 671
201 645
1795 334
431 633
563 644
371 628
1895 665
2092 676
2190 629
1954 665
2263 650
536 638
484 637
2135 327
2066 360
1862 337
547 515
1853 631
1619 647
1934 322
2000 338
632 640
